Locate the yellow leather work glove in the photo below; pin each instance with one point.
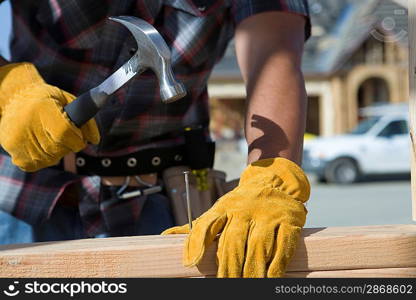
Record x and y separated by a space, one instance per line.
259 221
34 129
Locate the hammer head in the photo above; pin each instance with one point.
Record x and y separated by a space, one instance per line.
152 52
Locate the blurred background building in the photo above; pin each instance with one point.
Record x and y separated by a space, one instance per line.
357 56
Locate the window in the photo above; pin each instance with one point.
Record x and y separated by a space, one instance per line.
394 128
365 125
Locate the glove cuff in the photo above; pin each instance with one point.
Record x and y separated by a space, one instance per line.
279 173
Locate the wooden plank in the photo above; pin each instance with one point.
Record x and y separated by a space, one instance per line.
320 249
412 99
359 273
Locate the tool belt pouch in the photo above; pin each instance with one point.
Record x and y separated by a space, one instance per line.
201 199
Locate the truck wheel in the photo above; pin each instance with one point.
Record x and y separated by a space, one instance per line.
342 171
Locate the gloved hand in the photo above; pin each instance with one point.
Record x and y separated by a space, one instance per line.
34 129
259 221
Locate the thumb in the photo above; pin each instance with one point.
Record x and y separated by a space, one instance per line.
177 230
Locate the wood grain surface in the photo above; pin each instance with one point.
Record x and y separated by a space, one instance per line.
369 251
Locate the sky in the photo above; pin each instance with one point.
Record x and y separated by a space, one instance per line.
5 25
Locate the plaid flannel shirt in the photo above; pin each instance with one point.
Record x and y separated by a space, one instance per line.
75 47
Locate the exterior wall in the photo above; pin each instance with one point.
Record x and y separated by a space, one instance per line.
322 90
341 112
234 89
227 104
394 76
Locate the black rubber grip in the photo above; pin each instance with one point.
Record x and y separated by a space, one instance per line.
81 109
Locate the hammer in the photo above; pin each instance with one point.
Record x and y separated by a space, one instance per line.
152 52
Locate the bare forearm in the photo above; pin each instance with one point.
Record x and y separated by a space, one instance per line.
269 50
275 118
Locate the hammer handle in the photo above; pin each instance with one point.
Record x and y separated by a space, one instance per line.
81 109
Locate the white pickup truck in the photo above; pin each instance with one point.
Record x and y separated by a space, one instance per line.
379 145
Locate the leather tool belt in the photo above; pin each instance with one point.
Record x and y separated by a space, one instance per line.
196 153
145 161
141 169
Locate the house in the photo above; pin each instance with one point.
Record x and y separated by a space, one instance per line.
357 56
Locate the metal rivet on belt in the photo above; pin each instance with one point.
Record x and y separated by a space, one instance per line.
156 161
106 162
132 162
202 8
178 157
80 162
